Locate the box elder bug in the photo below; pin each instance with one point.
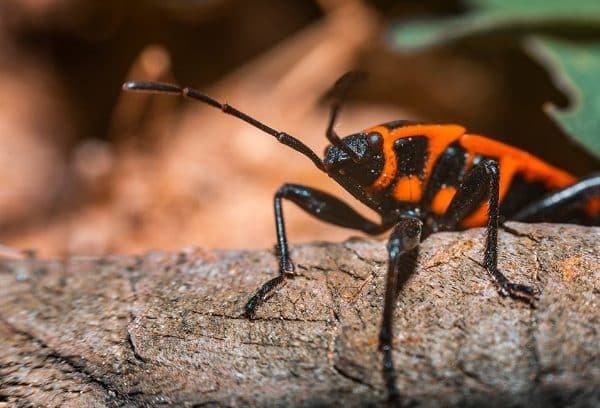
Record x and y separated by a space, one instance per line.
420 179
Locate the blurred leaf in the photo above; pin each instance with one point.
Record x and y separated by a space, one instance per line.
498 15
575 69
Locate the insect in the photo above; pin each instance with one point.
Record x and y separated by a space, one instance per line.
420 179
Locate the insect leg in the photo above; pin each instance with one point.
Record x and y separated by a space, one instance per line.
339 91
322 206
550 207
402 251
481 183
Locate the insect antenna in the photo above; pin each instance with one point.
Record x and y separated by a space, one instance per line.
282 137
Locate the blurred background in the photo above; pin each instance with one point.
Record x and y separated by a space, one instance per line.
88 169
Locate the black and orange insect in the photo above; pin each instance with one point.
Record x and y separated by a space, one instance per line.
420 178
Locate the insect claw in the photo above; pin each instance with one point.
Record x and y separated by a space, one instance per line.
290 269
250 308
520 292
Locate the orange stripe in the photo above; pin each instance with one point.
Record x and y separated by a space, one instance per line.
442 200
440 137
408 188
390 164
532 168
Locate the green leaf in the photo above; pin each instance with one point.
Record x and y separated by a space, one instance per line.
575 69
488 16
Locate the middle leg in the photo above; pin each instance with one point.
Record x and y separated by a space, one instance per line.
481 183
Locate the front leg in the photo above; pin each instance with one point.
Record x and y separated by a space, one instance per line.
401 247
481 183
322 206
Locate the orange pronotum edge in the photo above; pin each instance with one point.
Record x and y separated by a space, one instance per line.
439 137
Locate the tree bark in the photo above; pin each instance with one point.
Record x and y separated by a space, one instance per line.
166 328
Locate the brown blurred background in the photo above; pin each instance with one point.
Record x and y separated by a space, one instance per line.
87 169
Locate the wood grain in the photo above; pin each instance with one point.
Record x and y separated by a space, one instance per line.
166 328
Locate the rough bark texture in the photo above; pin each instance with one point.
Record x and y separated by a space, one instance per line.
166 328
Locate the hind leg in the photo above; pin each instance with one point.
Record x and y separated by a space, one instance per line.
481 183
549 208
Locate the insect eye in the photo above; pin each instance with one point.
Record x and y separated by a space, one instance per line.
375 140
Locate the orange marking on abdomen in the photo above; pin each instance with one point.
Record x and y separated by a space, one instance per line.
408 188
592 207
531 167
439 137
478 218
442 200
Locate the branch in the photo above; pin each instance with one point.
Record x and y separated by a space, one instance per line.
166 328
